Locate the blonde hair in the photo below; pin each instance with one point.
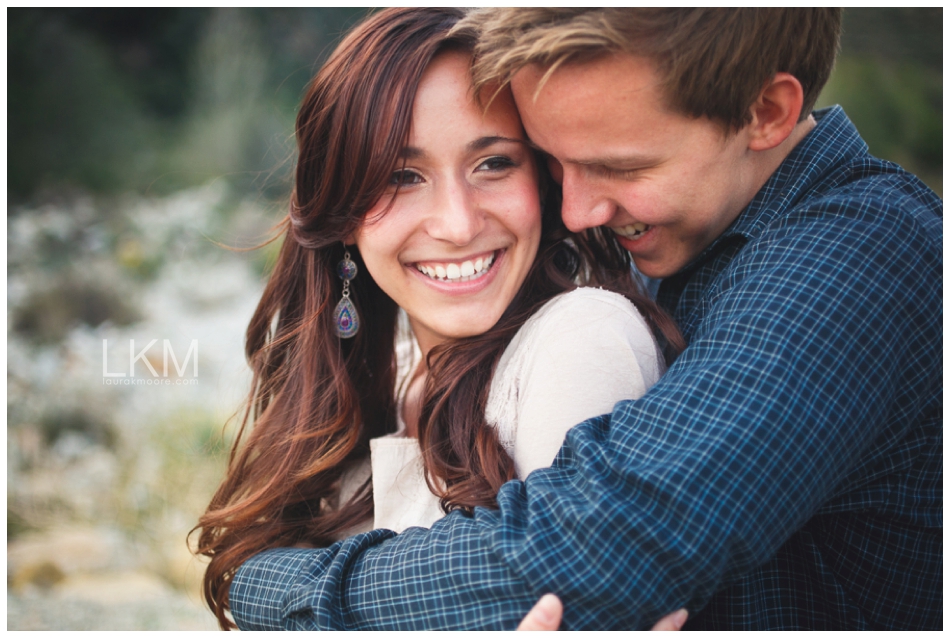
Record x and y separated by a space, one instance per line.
711 62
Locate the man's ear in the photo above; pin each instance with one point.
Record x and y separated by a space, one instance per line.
775 112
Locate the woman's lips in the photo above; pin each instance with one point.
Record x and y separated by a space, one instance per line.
457 271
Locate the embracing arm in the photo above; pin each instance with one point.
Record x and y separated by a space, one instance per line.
700 480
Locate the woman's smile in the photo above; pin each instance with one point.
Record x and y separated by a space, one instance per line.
461 278
456 271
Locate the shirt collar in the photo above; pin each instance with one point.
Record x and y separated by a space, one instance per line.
833 141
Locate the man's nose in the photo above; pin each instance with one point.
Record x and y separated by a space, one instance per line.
458 218
583 206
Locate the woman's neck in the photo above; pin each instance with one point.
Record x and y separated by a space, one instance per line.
412 404
427 339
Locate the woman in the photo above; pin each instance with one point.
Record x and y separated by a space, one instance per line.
420 199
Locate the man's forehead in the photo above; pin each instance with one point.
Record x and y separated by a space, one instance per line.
594 105
611 71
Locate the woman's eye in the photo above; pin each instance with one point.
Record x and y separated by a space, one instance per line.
497 163
404 178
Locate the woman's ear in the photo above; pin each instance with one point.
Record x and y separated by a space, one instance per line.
775 112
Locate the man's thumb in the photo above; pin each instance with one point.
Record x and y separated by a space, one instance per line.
544 616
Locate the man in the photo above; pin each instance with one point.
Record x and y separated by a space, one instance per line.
786 473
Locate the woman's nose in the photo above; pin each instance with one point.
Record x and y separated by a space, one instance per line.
458 219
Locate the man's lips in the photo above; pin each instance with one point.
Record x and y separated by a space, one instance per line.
631 231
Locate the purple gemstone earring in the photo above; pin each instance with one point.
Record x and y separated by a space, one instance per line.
347 319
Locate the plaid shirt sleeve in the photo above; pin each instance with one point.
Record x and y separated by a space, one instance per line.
812 379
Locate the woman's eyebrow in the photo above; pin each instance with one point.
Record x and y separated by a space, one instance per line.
535 147
484 142
411 152
414 152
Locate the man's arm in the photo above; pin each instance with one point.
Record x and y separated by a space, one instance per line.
787 385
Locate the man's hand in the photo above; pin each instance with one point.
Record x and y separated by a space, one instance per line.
544 616
673 622
547 612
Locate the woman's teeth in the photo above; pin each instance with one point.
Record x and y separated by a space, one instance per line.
631 231
466 271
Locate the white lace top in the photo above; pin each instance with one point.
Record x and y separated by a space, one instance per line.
574 359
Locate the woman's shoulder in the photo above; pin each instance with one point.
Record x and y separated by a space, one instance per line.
588 310
583 351
585 323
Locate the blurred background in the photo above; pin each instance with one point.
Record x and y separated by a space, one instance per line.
141 144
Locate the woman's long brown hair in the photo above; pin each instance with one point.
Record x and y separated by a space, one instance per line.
317 400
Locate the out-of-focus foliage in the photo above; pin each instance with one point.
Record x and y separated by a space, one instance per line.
889 78
154 100
140 144
111 458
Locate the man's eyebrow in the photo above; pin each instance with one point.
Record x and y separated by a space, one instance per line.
484 142
630 161
606 160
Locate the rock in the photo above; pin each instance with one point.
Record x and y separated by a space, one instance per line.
114 588
183 569
43 574
39 556
37 610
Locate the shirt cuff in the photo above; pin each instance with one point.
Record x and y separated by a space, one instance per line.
259 591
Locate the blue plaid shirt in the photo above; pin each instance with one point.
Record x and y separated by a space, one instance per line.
786 473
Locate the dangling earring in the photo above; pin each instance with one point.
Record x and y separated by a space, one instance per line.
347 319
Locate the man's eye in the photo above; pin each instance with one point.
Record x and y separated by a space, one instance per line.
496 163
404 178
613 173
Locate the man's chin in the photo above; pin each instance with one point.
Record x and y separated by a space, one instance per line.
654 269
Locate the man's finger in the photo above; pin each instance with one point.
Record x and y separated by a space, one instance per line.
544 616
673 622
